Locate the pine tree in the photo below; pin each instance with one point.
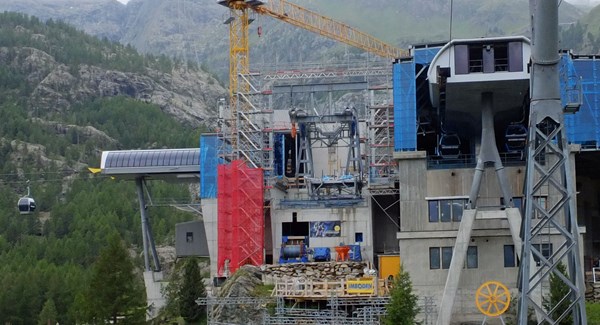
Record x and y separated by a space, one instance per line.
558 290
192 288
403 308
48 315
115 294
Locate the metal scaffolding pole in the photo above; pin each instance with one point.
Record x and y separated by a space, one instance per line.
548 169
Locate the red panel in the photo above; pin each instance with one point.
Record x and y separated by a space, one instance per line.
240 216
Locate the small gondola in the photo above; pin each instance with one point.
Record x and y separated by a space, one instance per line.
449 146
516 138
26 204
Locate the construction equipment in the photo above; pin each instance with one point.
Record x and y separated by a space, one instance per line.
244 138
293 249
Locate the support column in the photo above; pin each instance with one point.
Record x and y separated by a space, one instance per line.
456 264
143 212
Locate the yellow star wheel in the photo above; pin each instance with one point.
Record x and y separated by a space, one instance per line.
492 298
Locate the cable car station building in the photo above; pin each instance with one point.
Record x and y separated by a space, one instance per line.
399 179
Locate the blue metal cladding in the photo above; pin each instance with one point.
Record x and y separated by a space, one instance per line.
583 127
425 55
209 160
405 107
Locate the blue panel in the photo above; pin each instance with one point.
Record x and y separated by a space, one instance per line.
209 160
583 127
279 154
425 55
405 107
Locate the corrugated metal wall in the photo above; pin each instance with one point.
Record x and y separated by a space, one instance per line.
209 160
405 109
583 127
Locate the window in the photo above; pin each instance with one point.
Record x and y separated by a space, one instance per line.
446 257
434 258
189 237
446 210
472 260
510 257
434 211
358 237
541 201
545 249
457 209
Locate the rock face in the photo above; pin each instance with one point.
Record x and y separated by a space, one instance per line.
189 95
241 284
315 271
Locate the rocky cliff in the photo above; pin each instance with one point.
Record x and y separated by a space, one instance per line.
188 94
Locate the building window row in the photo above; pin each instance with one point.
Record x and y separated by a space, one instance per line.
440 257
511 259
446 210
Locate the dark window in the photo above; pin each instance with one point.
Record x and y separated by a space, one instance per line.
434 258
457 209
542 204
518 203
545 249
472 259
446 257
500 57
446 210
358 237
189 237
475 58
434 211
510 259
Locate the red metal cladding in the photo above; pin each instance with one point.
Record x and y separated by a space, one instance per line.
240 216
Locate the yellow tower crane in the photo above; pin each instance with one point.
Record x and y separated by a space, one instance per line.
243 139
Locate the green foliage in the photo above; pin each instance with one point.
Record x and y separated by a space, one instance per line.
51 256
558 290
115 293
134 124
192 288
48 315
264 290
592 312
175 290
403 307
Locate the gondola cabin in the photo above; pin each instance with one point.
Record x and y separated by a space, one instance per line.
26 205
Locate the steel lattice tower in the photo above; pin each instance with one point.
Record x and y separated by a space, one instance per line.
549 170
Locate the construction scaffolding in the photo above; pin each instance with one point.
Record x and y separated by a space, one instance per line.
381 143
582 72
240 217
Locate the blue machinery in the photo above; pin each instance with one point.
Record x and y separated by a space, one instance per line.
294 249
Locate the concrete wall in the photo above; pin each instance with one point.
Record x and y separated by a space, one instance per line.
209 213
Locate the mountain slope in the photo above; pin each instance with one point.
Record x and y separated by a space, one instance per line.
194 29
64 97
